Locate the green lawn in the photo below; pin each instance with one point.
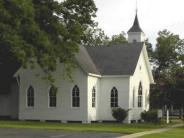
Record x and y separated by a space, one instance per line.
99 127
174 133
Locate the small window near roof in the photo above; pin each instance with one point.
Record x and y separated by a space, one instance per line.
140 67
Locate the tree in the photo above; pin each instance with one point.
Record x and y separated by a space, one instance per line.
44 32
95 37
167 50
149 49
168 70
117 39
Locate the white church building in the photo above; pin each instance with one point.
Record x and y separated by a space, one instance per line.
106 77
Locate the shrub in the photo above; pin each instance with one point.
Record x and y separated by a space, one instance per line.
119 114
150 116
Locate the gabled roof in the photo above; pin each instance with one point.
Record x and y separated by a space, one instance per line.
85 61
136 27
110 60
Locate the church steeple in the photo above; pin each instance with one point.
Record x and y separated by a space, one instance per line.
135 33
135 27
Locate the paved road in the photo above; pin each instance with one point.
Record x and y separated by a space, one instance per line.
31 133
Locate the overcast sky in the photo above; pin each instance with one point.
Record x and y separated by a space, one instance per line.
115 16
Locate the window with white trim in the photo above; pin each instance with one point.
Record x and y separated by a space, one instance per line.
114 97
93 97
75 96
52 97
30 97
140 95
133 98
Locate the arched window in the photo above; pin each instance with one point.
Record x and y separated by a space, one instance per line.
140 95
52 97
30 97
114 97
75 96
133 98
93 97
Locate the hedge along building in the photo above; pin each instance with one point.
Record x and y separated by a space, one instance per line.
106 77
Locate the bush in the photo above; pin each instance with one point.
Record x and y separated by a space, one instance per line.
119 114
150 116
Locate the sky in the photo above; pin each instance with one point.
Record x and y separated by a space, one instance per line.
115 16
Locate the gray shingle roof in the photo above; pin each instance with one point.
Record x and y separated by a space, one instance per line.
85 61
110 60
136 27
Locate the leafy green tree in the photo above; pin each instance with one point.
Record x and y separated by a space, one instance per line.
149 50
44 32
117 39
177 89
95 37
168 70
167 50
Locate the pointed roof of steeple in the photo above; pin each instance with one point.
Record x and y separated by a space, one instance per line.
136 27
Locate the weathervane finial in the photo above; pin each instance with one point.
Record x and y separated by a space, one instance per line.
136 7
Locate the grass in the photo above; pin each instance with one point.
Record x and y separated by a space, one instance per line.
97 127
174 133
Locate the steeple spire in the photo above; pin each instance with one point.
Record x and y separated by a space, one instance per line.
135 27
135 33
